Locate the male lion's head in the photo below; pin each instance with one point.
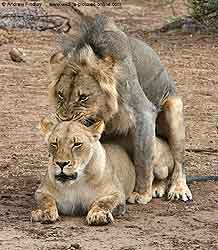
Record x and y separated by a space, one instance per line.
83 85
71 147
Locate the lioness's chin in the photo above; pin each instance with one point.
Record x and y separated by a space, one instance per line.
66 178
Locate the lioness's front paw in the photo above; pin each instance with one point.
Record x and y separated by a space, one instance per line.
180 191
45 216
98 216
139 198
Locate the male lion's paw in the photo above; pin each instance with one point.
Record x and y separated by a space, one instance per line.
132 198
180 192
98 216
159 189
139 198
45 216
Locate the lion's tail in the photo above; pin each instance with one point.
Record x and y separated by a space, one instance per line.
190 179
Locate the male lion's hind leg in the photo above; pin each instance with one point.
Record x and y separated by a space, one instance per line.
173 113
101 210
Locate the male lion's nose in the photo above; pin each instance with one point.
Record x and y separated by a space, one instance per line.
62 164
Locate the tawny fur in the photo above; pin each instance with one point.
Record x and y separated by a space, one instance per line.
121 80
105 173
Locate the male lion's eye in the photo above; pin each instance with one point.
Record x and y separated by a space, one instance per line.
60 96
54 145
83 98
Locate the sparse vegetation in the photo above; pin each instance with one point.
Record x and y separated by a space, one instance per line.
204 12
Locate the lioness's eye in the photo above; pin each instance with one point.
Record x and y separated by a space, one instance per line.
77 144
83 98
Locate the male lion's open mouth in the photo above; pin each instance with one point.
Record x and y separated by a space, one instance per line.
63 177
89 121
75 116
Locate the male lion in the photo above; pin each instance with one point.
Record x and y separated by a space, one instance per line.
86 176
121 80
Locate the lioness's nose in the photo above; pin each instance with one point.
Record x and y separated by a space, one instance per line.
62 164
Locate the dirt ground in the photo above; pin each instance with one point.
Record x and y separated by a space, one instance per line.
192 61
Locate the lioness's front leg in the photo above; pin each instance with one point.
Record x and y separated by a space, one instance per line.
101 210
46 211
144 146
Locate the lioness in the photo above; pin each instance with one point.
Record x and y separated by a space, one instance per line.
121 80
86 176
83 175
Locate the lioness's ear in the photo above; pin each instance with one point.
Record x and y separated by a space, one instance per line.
46 125
97 129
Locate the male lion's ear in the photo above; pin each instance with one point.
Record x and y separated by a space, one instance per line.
106 75
97 129
56 64
109 61
56 67
46 125
57 58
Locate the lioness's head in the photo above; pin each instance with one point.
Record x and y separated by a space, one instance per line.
71 147
83 85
